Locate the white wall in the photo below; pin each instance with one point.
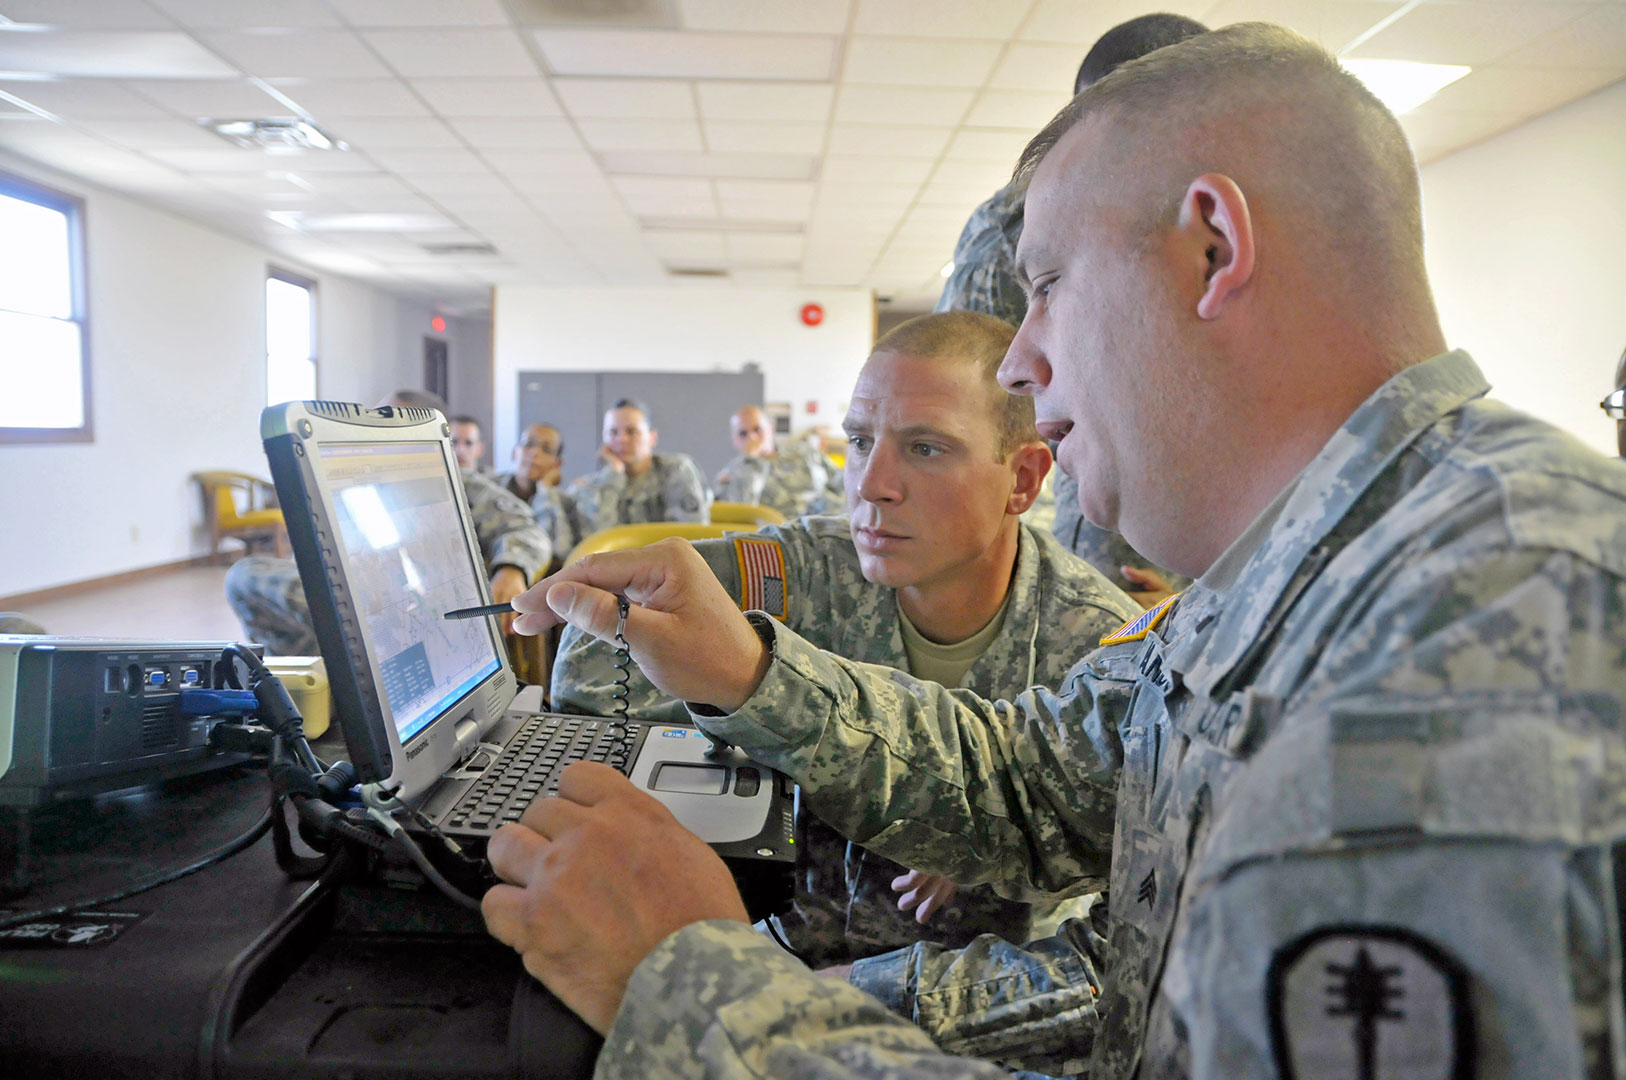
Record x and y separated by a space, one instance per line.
177 338
1526 242
685 329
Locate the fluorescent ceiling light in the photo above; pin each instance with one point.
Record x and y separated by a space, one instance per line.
275 135
361 222
1403 85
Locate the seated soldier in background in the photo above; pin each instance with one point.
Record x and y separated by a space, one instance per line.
636 484
791 477
934 573
468 443
537 467
267 596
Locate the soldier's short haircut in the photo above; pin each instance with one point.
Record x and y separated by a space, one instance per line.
465 419
1132 40
634 403
1278 114
972 338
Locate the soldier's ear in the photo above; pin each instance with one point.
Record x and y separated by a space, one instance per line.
1030 464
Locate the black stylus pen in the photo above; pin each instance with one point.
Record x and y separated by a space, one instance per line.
476 612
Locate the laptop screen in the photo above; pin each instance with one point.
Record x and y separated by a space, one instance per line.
400 534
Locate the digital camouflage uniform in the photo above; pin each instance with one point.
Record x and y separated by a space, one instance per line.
269 600
555 511
845 906
671 490
984 280
1361 797
796 480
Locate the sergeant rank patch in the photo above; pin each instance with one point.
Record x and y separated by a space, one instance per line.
1137 628
762 576
1369 1003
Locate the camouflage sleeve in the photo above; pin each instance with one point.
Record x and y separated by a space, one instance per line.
686 488
585 677
829 496
1019 794
718 999
1025 1006
598 497
507 529
740 480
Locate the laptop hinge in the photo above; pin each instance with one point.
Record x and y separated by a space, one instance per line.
468 737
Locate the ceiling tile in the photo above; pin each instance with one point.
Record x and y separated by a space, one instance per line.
209 97
1466 33
901 105
156 134
377 186
690 55
948 192
1595 40
1045 68
855 195
429 161
658 196
1082 24
990 175
85 99
454 53
1023 110
768 248
131 54
641 134
567 164
339 99
913 62
435 184
806 103
488 97
396 134
941 18
421 12
765 138
766 277
877 140
683 163
690 246
791 194
984 145
233 159
243 14
1434 133
309 54
1519 92
1332 23
776 16
90 14
764 210
655 99
838 170
514 134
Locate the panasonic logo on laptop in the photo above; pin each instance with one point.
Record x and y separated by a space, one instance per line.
414 751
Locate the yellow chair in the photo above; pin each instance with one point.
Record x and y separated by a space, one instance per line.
256 518
620 537
753 514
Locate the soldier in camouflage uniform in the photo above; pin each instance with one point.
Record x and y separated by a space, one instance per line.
266 594
984 279
792 478
1360 792
636 484
813 576
536 480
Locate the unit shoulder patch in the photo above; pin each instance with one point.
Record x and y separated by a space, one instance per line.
1370 1003
1144 623
762 576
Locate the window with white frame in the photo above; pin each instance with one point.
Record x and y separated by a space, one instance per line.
44 348
290 338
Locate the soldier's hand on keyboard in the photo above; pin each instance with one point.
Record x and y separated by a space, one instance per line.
596 879
684 629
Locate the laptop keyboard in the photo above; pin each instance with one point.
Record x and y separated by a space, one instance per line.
530 764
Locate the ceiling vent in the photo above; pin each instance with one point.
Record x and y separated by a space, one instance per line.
284 134
460 249
641 13
714 272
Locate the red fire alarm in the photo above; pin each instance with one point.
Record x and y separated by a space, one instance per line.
812 314
438 325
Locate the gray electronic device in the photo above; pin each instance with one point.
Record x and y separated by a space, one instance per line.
381 533
84 715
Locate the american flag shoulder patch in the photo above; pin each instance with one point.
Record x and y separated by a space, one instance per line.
1137 628
762 576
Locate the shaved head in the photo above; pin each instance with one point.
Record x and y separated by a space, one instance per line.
1306 142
